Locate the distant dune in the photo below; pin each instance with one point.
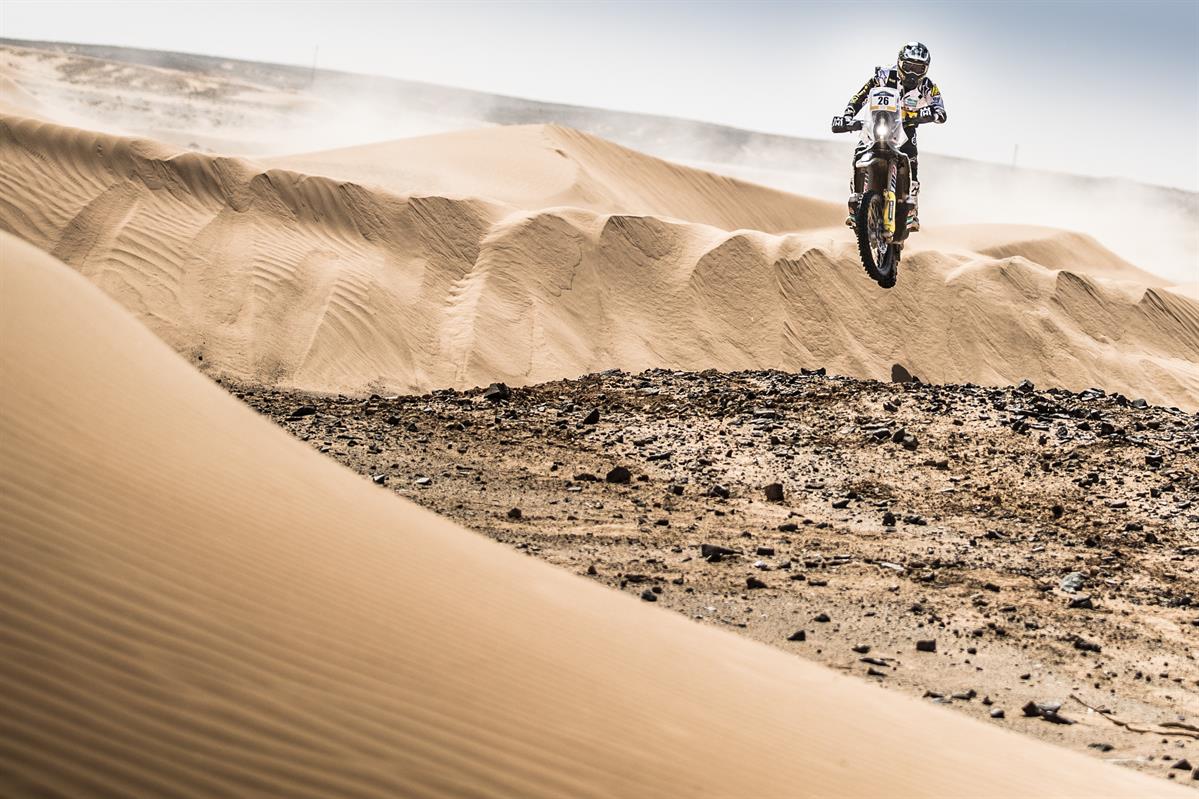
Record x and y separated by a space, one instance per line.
195 604
589 257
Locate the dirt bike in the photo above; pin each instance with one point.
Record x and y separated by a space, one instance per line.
882 179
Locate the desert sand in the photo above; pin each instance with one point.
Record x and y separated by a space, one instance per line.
320 283
196 605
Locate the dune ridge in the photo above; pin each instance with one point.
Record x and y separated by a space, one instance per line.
273 276
195 604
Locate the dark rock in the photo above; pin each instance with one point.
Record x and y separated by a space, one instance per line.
788 527
888 519
1083 645
1082 602
754 582
765 552
798 635
1182 765
813 372
619 475
1026 387
514 513
592 571
1102 747
379 479
302 411
715 550
861 649
649 596
719 491
585 477
926 646
593 417
1153 459
774 492
424 482
497 392
997 713
900 374
823 618
841 504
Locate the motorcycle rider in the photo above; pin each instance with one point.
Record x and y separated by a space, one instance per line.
922 102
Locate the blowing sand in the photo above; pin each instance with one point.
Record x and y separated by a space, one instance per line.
196 605
417 280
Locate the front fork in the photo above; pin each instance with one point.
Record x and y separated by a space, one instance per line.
889 201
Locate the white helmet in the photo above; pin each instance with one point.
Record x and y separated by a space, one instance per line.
913 62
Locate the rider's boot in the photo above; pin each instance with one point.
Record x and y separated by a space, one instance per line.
854 200
913 225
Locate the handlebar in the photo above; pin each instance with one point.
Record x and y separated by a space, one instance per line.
839 125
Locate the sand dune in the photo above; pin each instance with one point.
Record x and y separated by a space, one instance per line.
274 276
536 167
197 605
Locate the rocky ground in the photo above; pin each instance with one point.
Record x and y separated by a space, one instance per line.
1026 557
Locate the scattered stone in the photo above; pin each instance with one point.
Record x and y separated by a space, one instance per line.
765 552
1081 602
774 492
1083 645
1182 765
862 649
715 551
585 477
649 596
379 479
497 392
888 519
514 513
1047 711
302 411
926 646
1102 747
592 571
900 374
719 491
424 482
798 635
593 417
1072 582
997 713
823 618
754 582
1026 387
619 475
841 504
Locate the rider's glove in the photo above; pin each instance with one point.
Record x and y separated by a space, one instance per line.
938 114
841 123
924 115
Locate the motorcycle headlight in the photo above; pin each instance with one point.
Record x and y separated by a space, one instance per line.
881 130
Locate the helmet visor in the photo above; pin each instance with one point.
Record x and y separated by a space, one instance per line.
912 68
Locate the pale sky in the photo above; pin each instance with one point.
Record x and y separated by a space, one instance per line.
1100 88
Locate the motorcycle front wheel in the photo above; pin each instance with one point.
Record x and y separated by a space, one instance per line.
879 256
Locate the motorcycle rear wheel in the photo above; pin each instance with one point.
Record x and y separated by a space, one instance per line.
880 257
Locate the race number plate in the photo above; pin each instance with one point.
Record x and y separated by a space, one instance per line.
884 99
